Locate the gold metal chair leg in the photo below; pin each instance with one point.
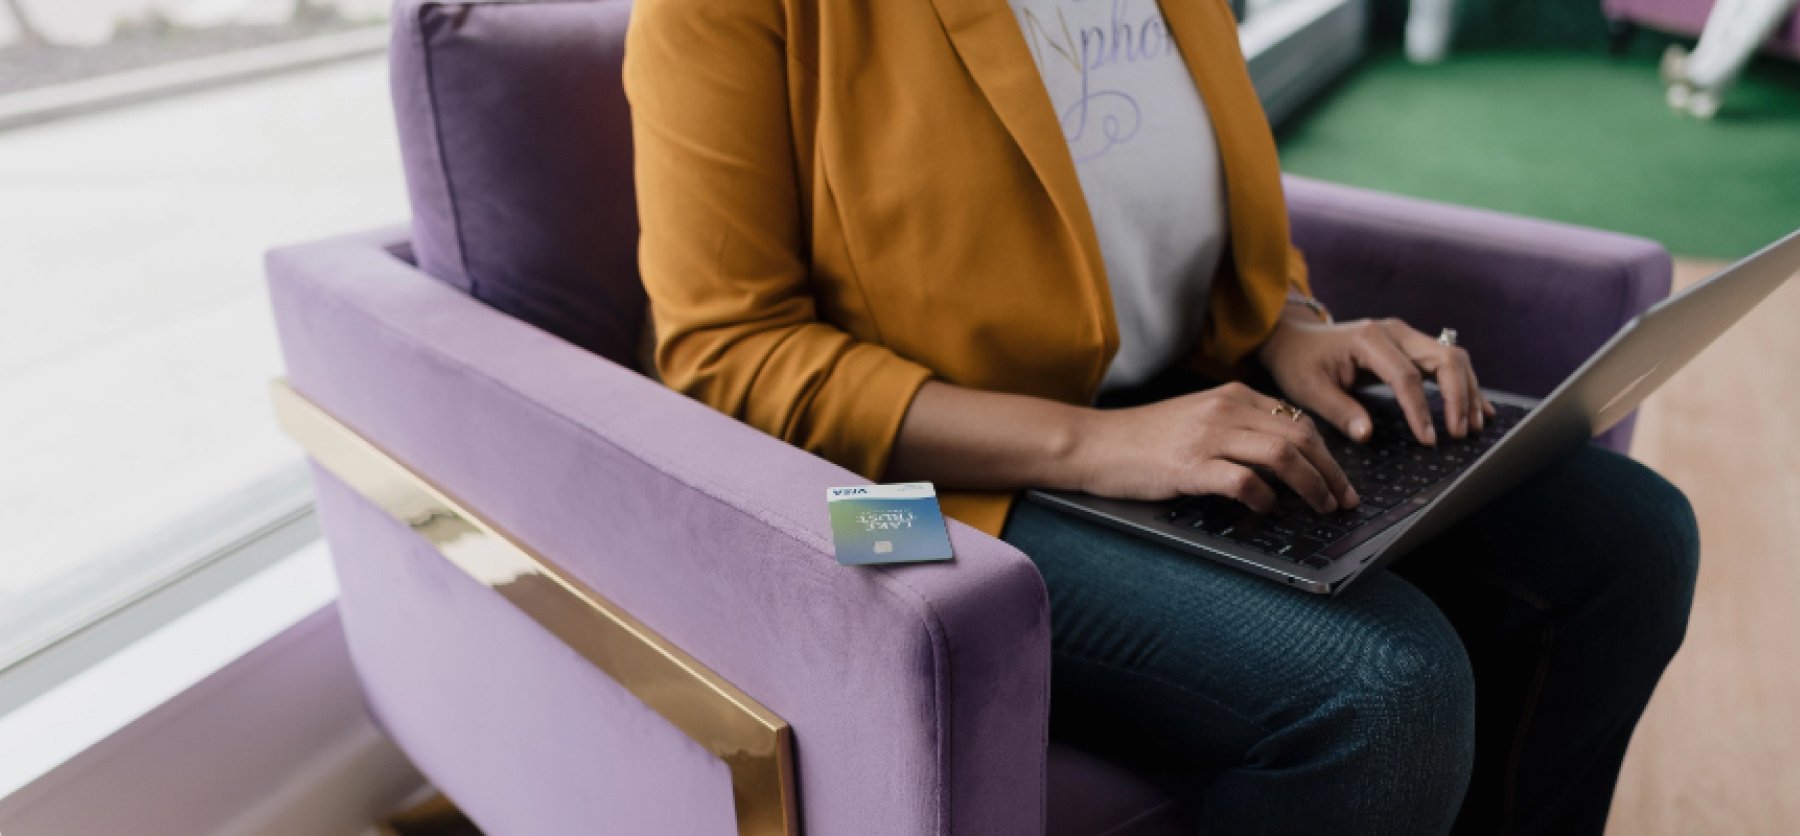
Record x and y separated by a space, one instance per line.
435 816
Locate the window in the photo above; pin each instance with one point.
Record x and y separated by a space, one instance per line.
136 342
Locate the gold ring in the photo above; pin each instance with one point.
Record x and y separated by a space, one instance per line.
1284 408
1447 338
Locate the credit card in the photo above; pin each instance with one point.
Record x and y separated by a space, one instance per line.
897 523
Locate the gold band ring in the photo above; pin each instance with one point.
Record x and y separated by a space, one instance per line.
1284 408
1447 338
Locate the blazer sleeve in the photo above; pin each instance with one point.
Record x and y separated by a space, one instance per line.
1298 278
1228 346
723 251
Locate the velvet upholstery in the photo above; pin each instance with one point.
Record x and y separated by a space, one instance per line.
1090 796
918 694
489 346
517 144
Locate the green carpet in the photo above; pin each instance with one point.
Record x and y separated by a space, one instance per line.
1568 135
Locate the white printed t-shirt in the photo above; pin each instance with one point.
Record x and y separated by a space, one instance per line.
1148 163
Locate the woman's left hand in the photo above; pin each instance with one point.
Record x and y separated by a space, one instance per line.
1316 363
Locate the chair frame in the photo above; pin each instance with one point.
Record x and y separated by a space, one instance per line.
754 743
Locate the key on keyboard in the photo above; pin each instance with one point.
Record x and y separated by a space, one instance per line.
1388 469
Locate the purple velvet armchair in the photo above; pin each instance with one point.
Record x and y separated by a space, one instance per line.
583 603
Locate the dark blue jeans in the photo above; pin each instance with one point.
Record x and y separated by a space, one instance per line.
1489 681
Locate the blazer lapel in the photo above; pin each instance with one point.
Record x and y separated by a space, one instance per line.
1208 37
987 38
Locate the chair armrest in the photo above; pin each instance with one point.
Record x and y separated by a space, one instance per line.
1530 299
917 695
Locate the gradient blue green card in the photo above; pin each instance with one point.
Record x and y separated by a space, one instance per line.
887 524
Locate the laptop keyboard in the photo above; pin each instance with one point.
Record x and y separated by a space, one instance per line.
1389 469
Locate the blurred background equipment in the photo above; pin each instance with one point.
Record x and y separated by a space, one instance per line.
1532 113
1735 29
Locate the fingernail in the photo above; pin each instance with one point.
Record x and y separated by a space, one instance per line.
1431 435
1359 428
1331 504
1351 499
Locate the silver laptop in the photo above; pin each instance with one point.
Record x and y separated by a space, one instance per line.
1411 492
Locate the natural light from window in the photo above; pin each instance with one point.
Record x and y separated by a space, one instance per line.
136 343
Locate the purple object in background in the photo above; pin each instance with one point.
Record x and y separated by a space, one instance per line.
1688 17
1531 300
492 354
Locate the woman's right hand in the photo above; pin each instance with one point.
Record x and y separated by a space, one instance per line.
1207 443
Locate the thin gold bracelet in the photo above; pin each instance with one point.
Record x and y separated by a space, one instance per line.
1311 304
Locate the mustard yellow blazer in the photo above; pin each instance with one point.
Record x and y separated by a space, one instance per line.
841 199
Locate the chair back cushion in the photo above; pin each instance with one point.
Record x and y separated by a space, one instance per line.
517 144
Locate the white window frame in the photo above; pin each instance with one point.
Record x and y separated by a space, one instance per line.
259 541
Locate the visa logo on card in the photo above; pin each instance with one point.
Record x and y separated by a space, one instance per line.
887 524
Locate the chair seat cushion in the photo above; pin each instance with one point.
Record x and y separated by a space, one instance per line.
1091 796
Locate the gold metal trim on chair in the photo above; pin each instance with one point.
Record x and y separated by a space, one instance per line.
754 743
